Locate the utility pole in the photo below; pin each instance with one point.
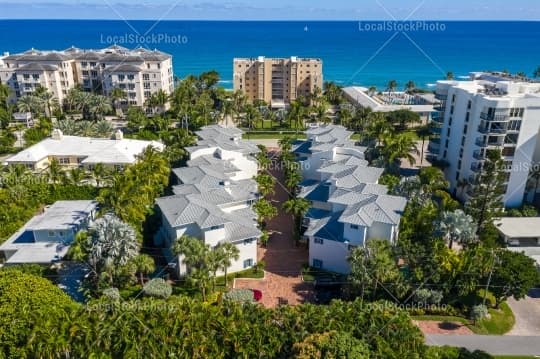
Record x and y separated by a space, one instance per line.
489 277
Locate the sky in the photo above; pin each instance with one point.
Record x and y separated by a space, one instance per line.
272 9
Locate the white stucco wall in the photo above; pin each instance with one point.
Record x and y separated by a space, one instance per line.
333 254
356 237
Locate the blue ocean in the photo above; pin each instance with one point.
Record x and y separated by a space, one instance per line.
359 53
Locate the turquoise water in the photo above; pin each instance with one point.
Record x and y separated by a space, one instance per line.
352 52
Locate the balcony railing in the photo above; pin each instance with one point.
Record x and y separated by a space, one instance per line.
478 155
492 131
494 117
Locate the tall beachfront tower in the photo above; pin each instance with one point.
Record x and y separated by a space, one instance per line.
277 81
489 111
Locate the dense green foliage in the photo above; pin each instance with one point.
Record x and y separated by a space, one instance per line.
26 303
185 328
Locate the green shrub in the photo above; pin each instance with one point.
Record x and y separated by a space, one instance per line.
478 312
239 296
157 288
112 294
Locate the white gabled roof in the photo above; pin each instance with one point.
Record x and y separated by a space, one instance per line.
94 150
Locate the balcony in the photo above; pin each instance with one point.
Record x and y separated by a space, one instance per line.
441 97
476 167
478 155
482 142
494 117
435 130
492 131
434 146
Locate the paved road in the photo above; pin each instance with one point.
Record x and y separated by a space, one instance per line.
527 313
492 344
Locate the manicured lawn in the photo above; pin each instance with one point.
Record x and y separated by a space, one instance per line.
500 322
248 273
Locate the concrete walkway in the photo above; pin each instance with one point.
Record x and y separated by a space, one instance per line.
492 344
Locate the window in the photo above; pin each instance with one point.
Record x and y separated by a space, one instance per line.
61 234
84 64
94 73
146 77
248 263
467 117
514 125
469 105
26 76
121 77
214 228
35 76
52 234
465 128
354 226
92 64
248 241
130 77
457 176
63 160
317 263
318 240
463 141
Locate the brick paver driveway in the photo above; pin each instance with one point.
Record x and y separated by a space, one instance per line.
282 283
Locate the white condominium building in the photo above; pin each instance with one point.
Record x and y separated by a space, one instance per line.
490 111
139 72
348 206
213 198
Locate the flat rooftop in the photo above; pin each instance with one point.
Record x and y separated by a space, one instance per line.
359 96
519 227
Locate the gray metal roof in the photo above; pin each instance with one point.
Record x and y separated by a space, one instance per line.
62 215
374 208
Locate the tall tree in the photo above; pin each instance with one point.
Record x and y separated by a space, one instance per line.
144 265
228 253
486 201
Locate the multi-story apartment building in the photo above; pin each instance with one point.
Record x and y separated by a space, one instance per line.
139 72
348 206
277 81
213 198
490 111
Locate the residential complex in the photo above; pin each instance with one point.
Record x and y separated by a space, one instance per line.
139 72
213 198
348 206
489 111
46 237
76 151
277 81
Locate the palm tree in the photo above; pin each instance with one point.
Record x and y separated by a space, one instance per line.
68 127
77 175
378 128
399 147
117 94
449 75
297 208
49 101
372 90
5 92
113 244
30 103
536 73
99 105
145 265
457 227
392 86
265 184
345 116
229 252
54 171
410 86
100 174
103 128
292 179
265 211
297 112
85 128
423 132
